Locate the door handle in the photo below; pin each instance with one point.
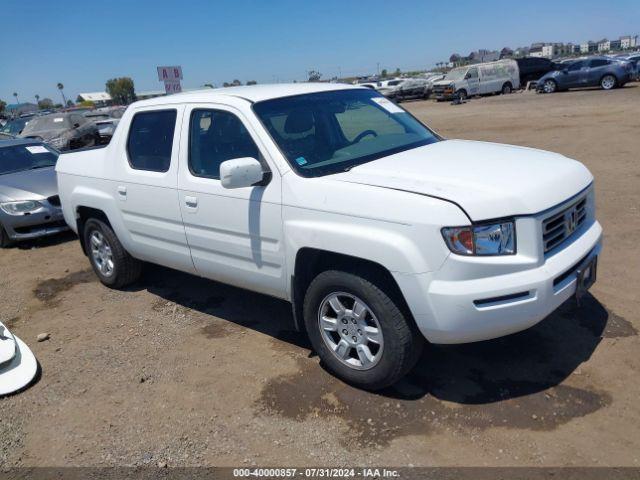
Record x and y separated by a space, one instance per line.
191 202
122 191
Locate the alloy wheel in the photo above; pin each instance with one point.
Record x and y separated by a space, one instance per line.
608 82
350 330
549 86
101 253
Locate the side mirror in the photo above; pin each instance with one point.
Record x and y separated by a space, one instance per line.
240 172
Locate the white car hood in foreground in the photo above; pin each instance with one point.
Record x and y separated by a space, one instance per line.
487 180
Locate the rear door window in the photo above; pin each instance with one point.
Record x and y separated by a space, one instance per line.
150 140
599 62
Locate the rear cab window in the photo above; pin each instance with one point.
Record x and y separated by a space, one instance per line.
150 140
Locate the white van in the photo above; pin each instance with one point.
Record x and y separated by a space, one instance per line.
502 76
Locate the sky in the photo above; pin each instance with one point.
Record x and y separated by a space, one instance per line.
84 43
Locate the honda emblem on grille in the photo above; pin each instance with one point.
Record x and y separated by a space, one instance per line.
571 221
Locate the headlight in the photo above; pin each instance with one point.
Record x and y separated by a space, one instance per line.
489 239
19 208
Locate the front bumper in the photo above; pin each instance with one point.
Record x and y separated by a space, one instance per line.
45 221
462 311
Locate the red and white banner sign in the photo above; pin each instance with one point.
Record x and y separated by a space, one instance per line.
171 77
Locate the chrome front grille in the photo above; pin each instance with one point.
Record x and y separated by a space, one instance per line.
560 226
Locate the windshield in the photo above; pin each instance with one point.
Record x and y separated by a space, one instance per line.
16 158
328 132
457 74
50 122
14 127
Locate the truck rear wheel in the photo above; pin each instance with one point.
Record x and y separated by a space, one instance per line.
358 331
113 265
507 88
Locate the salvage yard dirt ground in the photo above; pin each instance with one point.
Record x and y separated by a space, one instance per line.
184 371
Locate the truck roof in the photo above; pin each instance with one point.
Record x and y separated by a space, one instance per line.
251 93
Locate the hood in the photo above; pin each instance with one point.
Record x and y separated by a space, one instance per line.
443 82
486 180
28 185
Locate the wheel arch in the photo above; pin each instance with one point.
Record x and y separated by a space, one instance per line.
310 262
84 213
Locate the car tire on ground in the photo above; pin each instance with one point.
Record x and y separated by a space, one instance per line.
461 94
549 86
113 265
608 82
5 241
358 331
507 88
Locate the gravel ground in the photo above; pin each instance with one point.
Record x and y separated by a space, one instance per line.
182 371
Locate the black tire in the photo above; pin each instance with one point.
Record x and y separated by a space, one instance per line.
126 269
507 88
402 341
5 241
608 82
461 94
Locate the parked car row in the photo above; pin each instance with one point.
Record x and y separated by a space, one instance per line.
66 130
504 76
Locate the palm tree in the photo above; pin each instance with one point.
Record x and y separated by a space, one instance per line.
64 99
15 94
37 99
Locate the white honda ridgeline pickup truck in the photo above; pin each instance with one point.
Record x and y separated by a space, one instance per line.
379 232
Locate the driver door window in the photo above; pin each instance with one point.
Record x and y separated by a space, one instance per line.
214 137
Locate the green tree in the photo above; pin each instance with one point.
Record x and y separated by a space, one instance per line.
69 103
384 73
208 85
122 90
3 105
314 76
397 72
45 104
236 83
251 82
15 94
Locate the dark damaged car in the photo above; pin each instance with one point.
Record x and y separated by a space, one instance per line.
63 131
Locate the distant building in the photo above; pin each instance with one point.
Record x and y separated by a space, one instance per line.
17 109
588 47
615 45
482 56
521 52
628 41
100 99
536 50
604 45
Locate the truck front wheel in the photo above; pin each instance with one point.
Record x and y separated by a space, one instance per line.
358 331
113 265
